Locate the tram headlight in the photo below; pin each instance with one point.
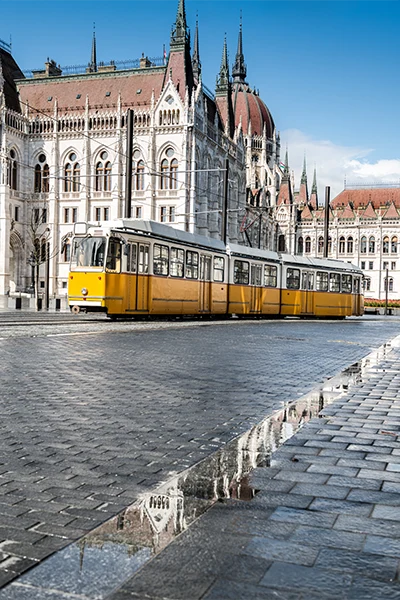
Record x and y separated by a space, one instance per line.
84 292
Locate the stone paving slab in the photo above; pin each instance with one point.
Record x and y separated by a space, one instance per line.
312 545
148 404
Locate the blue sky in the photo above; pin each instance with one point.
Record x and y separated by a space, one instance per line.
328 71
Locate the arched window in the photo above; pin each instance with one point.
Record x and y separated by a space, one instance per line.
342 245
42 175
12 175
46 178
320 244
363 245
164 174
169 170
174 171
329 245
371 245
393 244
390 284
308 245
107 177
138 171
300 246
350 245
103 173
281 243
385 245
76 177
38 178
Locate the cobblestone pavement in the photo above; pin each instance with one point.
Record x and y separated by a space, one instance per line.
325 523
90 421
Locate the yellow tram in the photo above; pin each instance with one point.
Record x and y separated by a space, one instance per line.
133 268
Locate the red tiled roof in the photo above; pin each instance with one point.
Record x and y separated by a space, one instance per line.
391 213
66 90
369 212
347 213
362 197
285 195
314 201
248 106
306 213
302 197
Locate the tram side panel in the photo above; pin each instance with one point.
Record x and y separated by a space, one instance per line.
253 287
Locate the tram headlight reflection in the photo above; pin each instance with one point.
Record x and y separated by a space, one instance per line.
84 292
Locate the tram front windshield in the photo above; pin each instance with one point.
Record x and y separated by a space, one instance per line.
88 252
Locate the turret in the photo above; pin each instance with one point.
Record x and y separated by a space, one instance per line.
239 70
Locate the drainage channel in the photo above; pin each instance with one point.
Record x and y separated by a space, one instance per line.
103 560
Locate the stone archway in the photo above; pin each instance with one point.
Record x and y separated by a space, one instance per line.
15 265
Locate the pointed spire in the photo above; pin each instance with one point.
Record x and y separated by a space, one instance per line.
179 35
304 173
196 54
302 198
239 70
223 78
314 183
314 191
286 165
93 60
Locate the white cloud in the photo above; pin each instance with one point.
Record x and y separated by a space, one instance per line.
334 163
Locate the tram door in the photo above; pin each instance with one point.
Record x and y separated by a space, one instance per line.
307 294
205 283
130 252
356 298
142 278
255 289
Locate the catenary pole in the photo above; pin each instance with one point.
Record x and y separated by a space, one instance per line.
225 203
128 174
326 220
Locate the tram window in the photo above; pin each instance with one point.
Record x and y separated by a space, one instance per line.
334 282
133 261
256 274
293 279
322 281
143 258
219 266
307 281
177 262
347 283
160 260
127 253
304 280
114 255
356 285
192 265
270 276
241 272
88 252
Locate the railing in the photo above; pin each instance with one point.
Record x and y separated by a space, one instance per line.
132 63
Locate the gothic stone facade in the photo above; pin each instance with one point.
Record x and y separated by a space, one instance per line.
63 155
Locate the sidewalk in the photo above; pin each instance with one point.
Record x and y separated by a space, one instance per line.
324 524
322 521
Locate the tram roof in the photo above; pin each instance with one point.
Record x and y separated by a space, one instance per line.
237 249
327 263
159 230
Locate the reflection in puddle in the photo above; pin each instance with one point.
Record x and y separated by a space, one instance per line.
158 517
145 528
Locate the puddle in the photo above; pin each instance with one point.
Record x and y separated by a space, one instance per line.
102 560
